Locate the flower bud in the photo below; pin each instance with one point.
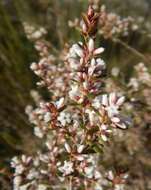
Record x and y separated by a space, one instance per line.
91 45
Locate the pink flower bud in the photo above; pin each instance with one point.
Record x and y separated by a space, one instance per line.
91 45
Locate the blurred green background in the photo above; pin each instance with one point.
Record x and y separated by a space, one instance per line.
17 52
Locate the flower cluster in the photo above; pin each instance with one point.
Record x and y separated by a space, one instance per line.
110 25
76 123
49 69
143 77
34 33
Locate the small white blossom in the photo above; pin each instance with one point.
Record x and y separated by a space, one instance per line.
105 132
115 71
64 118
96 103
60 103
47 117
75 51
112 103
67 168
34 66
19 169
38 132
33 174
134 83
92 116
75 94
89 171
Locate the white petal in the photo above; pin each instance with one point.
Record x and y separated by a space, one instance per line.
97 175
110 175
84 27
122 125
98 51
112 98
80 148
104 127
67 147
105 100
115 119
47 117
78 50
92 67
60 102
33 66
120 101
104 137
80 158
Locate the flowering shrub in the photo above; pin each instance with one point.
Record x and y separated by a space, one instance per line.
79 121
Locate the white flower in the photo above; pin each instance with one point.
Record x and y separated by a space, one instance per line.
134 83
110 175
89 171
112 103
36 161
105 132
67 168
74 63
43 30
101 63
97 174
96 66
15 161
34 66
92 116
59 103
36 35
47 117
64 118
115 71
75 51
33 174
96 102
75 94
28 109
38 132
